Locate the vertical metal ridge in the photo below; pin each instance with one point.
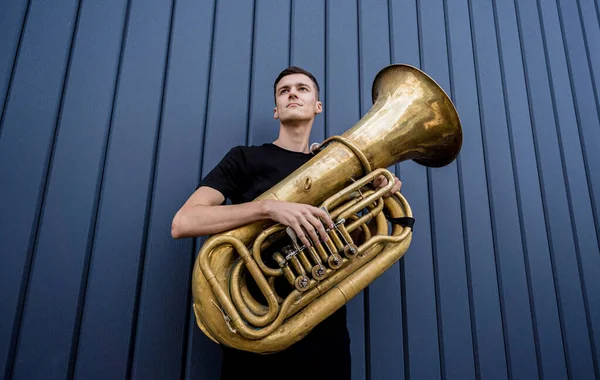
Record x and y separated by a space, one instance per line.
526 260
251 72
440 331
39 212
542 192
185 354
327 81
204 122
436 277
595 91
94 217
389 21
391 30
196 243
291 43
14 65
401 263
489 192
392 51
477 365
28 260
565 176
404 327
149 203
208 86
592 198
419 34
366 307
207 104
448 48
325 70
459 177
403 296
597 6
359 48
431 222
436 274
367 335
589 58
459 171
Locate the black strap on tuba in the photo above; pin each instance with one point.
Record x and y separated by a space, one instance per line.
404 221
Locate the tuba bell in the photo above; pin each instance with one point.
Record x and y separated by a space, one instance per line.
412 118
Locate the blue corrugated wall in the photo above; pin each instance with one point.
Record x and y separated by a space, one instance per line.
112 110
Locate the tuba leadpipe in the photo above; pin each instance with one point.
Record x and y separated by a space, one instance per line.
412 118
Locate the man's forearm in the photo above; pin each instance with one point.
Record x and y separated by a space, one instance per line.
202 220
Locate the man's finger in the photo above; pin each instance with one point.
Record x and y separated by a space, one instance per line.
324 216
300 234
398 185
380 181
310 230
319 227
394 188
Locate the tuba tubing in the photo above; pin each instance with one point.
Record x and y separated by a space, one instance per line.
412 118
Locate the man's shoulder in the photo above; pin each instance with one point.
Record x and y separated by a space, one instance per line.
252 150
248 150
261 147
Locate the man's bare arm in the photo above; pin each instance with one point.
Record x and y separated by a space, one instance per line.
203 215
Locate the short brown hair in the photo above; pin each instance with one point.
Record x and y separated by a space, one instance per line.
294 70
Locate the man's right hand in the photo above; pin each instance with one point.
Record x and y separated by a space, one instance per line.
301 218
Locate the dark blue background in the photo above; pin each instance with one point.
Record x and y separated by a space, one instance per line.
112 110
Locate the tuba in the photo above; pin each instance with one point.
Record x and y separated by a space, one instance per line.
412 118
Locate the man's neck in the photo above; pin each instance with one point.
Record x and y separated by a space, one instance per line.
294 138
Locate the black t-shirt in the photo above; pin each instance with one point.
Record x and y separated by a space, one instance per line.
241 176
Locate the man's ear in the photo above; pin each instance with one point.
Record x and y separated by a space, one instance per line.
319 107
275 113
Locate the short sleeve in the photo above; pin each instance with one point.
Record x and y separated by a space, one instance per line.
228 175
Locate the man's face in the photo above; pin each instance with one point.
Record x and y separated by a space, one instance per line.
296 99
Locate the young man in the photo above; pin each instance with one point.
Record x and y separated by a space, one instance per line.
242 175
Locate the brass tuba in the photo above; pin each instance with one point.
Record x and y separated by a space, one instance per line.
411 118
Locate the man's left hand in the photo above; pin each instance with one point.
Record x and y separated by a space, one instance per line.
382 181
